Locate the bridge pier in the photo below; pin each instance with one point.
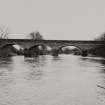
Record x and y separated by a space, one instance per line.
84 53
26 52
55 52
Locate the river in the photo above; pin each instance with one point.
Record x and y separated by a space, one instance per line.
47 80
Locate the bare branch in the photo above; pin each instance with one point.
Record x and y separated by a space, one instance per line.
4 32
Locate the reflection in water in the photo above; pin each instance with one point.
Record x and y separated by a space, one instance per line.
47 80
36 65
94 59
5 71
54 58
94 62
5 62
98 63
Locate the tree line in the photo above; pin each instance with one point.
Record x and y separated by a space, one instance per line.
98 50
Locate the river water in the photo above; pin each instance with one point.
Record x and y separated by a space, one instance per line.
47 80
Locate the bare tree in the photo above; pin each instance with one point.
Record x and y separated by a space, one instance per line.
35 35
4 32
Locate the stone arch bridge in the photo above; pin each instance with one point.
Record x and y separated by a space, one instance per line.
83 45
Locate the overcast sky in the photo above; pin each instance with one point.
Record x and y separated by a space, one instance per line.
55 19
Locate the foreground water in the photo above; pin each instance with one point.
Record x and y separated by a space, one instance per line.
45 80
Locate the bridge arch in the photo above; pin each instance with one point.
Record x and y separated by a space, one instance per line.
10 49
67 45
58 50
6 45
82 52
37 45
37 49
10 44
